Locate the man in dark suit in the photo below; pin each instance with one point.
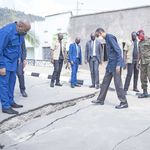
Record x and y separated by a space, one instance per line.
20 69
75 60
113 69
93 55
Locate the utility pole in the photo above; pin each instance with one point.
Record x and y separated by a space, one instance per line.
77 8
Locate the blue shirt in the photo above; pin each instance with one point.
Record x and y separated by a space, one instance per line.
114 53
9 47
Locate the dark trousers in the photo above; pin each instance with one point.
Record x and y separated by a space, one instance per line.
94 69
20 74
57 70
131 68
118 85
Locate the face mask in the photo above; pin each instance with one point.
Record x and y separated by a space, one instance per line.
141 36
100 37
22 33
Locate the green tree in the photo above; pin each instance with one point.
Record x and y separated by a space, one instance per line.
32 39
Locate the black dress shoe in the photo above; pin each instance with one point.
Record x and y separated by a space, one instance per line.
136 90
14 105
98 102
92 86
51 84
58 84
122 105
9 111
24 94
77 85
143 95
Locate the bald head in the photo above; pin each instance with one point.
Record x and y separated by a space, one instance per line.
77 40
23 26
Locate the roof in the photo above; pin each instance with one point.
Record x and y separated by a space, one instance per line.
62 13
111 11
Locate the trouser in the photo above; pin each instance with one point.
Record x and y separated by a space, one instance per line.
118 86
94 69
131 68
145 73
20 74
57 70
7 84
74 70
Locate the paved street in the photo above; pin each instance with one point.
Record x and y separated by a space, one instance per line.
79 125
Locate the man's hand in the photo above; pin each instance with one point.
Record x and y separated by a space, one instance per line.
3 71
125 66
24 63
85 61
52 61
137 66
118 69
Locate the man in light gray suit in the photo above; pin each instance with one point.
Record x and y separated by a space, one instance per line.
93 55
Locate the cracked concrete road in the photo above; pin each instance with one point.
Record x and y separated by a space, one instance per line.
40 93
85 126
79 125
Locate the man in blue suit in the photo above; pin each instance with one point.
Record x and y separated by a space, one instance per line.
10 44
75 59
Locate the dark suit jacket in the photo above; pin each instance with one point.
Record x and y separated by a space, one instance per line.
89 51
73 53
23 55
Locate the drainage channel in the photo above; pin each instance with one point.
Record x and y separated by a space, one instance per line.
18 120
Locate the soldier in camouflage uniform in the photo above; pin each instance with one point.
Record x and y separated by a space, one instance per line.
144 58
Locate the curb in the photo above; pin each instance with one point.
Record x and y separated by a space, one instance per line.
46 76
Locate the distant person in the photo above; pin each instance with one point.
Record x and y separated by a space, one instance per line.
144 58
93 55
75 59
131 59
115 63
58 55
10 43
20 69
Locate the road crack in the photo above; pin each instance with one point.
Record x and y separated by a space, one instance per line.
130 137
31 135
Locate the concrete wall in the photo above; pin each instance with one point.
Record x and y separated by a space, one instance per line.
120 23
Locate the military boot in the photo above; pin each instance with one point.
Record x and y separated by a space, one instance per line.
144 94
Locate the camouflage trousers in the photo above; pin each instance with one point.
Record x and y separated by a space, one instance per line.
145 74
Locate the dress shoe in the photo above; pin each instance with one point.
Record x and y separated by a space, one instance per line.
136 90
97 87
58 84
77 85
92 86
98 102
51 84
122 105
72 86
14 105
143 95
24 94
9 111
